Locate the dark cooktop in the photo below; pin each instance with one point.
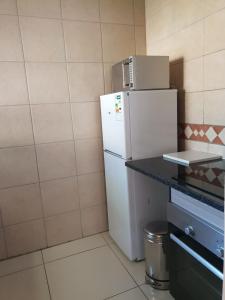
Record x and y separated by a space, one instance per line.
204 181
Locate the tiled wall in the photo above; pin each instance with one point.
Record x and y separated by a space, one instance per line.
192 34
55 60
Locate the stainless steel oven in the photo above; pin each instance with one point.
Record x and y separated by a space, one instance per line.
195 254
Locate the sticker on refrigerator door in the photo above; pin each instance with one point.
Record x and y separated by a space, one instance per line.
118 104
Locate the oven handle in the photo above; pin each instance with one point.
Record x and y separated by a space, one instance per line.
199 258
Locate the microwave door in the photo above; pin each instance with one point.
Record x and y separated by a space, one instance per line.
126 75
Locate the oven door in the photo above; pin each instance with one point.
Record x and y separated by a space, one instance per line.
195 273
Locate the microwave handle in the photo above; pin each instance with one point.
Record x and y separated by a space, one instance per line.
125 84
196 256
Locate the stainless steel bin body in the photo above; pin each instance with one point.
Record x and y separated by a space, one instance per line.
155 243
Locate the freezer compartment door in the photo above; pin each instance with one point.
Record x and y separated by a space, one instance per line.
118 203
115 124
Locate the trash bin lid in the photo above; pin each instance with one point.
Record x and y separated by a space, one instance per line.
156 229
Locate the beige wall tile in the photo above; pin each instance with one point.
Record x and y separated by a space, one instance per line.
40 8
8 7
52 122
42 39
211 6
91 189
140 40
139 12
60 196
89 156
108 77
193 75
63 228
214 107
85 81
16 121
56 160
94 219
187 12
17 166
161 24
214 37
3 253
20 204
194 108
10 41
181 45
87 45
47 82
217 149
118 42
43 25
194 145
86 119
117 11
214 70
12 72
152 7
20 238
86 10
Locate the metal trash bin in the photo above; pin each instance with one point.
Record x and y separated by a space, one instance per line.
155 243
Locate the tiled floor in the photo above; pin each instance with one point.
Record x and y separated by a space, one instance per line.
91 268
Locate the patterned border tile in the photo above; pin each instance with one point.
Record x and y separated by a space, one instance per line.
203 133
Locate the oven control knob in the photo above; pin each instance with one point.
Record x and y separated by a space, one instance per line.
220 252
189 230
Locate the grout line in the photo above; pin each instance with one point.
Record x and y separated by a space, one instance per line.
21 270
52 179
113 296
102 50
46 276
54 142
71 119
143 291
49 103
70 255
117 256
69 20
189 25
138 285
33 133
44 218
57 62
135 41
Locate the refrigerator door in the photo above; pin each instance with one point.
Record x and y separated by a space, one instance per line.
118 203
115 124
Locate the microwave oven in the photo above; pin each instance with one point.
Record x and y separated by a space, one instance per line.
141 73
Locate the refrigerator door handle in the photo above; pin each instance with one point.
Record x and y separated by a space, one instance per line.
113 153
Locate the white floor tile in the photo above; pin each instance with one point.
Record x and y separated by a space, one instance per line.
136 269
94 275
134 294
154 294
25 285
73 247
20 263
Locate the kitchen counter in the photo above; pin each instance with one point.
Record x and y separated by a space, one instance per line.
204 181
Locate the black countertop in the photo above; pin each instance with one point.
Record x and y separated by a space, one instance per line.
204 181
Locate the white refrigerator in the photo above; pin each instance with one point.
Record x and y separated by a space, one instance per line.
135 125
